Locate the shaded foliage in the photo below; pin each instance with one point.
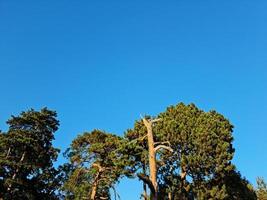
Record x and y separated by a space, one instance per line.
27 156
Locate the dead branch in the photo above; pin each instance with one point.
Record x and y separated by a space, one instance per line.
8 152
167 142
163 147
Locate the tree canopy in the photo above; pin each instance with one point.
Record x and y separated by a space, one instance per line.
201 151
183 153
97 164
27 156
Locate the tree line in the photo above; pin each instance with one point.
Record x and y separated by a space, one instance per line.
183 153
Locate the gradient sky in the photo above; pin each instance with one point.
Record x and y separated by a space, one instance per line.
100 64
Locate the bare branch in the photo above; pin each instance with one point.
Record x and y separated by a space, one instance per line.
103 197
150 121
8 152
147 123
167 142
142 138
163 147
155 120
17 170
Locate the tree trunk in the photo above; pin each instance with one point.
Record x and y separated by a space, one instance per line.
96 181
93 193
16 172
169 196
152 158
183 182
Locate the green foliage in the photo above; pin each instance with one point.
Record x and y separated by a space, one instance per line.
97 163
261 189
238 187
198 167
202 144
27 156
229 187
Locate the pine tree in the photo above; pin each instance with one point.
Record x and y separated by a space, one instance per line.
192 149
97 164
27 156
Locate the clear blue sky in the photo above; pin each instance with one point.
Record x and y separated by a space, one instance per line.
100 64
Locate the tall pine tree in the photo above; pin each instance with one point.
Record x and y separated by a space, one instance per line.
27 156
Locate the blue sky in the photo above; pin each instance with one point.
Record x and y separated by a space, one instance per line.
100 64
